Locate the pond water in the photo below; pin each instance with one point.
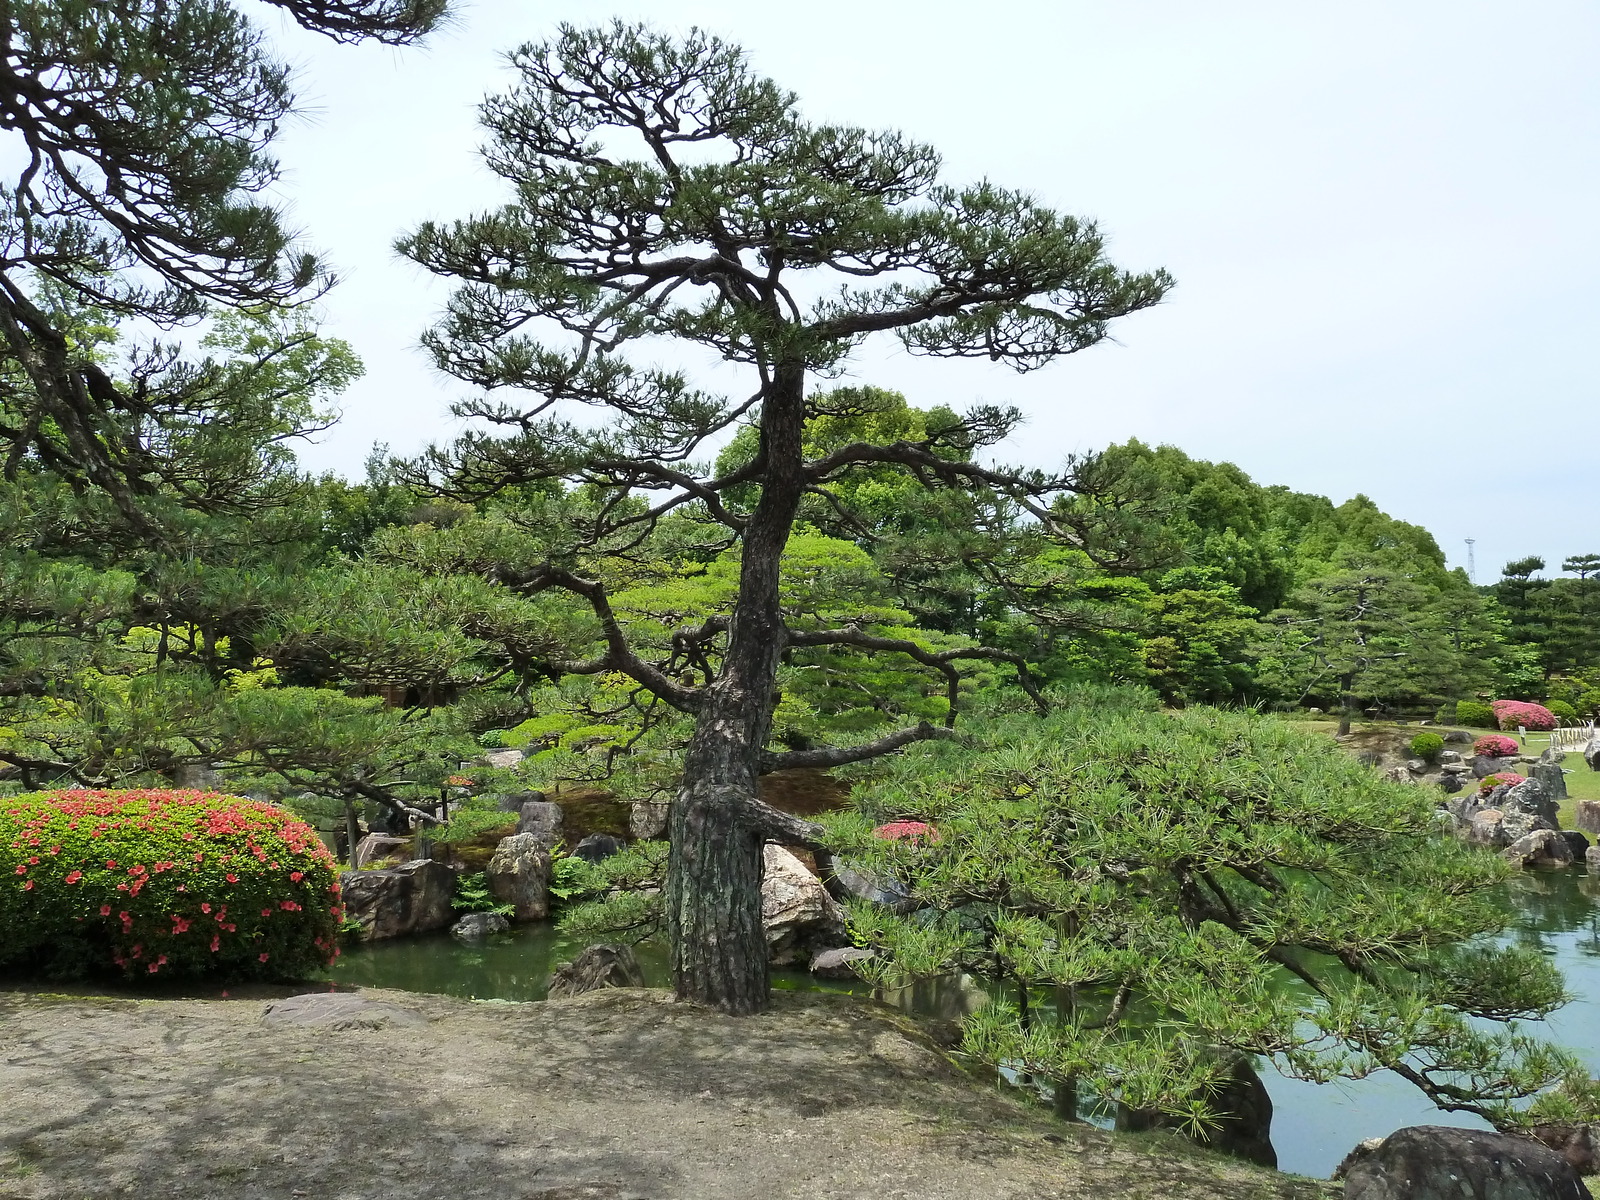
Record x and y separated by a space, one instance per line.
1313 1125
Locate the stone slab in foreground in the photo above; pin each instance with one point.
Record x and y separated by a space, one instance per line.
616 1094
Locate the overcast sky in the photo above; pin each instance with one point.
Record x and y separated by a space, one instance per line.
1382 219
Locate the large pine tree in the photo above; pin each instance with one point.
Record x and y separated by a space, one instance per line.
665 193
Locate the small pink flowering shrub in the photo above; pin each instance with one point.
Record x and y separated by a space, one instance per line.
155 883
917 832
1511 713
1494 746
1493 781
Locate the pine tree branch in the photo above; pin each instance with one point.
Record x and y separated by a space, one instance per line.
921 732
618 656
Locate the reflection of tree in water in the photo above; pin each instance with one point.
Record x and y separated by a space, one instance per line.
1551 902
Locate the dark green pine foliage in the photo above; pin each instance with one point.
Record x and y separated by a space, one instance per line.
1141 890
142 131
662 191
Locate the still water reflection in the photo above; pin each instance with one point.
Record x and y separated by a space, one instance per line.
1313 1125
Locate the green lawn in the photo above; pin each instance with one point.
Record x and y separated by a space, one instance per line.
1582 783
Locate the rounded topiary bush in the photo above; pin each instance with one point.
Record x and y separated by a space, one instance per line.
1495 746
163 883
1427 745
1563 712
1475 713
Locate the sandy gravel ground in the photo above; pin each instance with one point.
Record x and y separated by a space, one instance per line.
621 1095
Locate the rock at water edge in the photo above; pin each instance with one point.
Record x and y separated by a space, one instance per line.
1435 1162
519 875
400 901
378 846
478 925
838 964
1586 816
1544 848
799 916
542 818
597 967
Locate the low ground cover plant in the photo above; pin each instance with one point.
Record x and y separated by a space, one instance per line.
1513 713
152 882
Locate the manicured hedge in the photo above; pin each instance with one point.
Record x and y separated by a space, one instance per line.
1427 745
168 883
1493 745
1476 714
1512 713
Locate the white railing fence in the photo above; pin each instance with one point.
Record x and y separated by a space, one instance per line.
1573 737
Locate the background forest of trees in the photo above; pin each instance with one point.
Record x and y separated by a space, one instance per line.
359 640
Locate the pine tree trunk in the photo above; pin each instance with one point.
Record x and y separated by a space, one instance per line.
719 949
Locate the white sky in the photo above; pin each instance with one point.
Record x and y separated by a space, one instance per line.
1382 218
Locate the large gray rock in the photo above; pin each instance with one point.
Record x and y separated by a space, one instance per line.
1450 758
504 759
519 875
542 818
799 916
1434 1162
378 846
338 1010
597 847
1531 796
839 964
1487 828
1591 752
596 967
1578 1144
1591 859
1484 766
1578 844
1543 848
1553 779
647 820
411 898
1586 816
479 925
1458 736
1451 783
1552 755
1518 824
879 889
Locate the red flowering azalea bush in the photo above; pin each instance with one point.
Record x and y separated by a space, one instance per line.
1512 713
1494 746
916 832
1493 781
161 883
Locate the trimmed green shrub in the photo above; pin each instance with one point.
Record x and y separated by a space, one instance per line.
1427 745
1475 713
156 882
1563 712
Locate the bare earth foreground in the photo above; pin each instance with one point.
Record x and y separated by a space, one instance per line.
615 1095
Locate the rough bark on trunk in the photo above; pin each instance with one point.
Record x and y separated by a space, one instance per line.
719 950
